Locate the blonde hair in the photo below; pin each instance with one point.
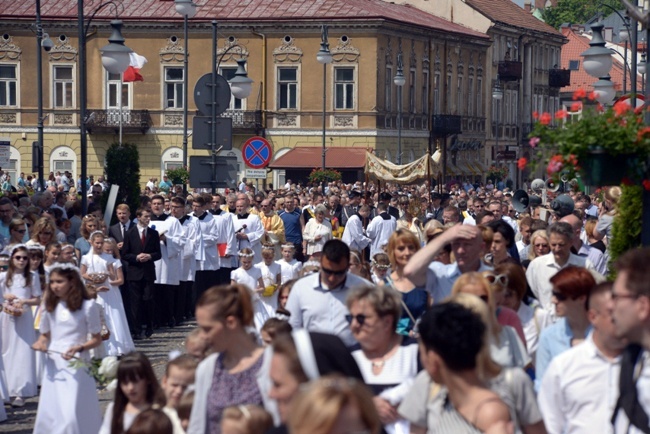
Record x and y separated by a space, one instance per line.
318 406
251 419
478 279
487 368
537 234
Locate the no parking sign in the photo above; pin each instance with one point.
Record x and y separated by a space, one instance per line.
257 152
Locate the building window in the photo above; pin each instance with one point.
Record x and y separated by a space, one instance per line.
470 96
388 89
114 95
479 97
436 94
459 96
412 90
287 88
448 94
228 72
344 88
174 88
425 92
63 87
8 85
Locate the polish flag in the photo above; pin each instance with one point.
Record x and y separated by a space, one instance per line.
132 73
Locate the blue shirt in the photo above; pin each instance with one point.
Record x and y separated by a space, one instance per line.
554 340
292 228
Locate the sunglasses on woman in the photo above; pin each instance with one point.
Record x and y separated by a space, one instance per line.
499 279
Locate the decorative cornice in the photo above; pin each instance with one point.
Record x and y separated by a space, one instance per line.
340 132
173 51
63 51
9 50
345 51
232 47
287 51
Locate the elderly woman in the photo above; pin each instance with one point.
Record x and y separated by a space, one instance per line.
43 232
402 245
387 360
317 231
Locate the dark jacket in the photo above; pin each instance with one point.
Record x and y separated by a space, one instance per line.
133 247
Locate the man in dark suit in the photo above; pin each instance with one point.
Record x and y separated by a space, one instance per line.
386 198
141 248
117 232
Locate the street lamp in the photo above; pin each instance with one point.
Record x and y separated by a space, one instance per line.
624 36
43 41
597 59
241 85
115 58
604 90
497 95
641 67
399 81
187 9
324 56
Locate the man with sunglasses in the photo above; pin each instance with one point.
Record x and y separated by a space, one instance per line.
317 301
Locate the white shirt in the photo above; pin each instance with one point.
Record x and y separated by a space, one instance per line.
353 234
534 319
579 391
379 231
542 268
441 278
623 425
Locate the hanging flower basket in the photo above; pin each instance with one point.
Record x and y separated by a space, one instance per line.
327 175
603 146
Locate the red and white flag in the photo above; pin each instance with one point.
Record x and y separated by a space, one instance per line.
132 73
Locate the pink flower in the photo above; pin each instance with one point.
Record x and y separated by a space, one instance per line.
534 141
555 165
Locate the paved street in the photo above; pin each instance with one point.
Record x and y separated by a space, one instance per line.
21 420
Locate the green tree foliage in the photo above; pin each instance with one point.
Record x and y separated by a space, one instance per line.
577 11
123 169
628 222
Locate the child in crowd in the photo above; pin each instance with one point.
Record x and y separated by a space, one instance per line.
283 295
251 277
67 254
152 421
380 265
52 253
36 256
195 346
271 277
273 327
289 266
105 272
137 390
179 375
69 328
245 419
20 289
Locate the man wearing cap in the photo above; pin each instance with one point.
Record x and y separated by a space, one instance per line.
352 207
386 198
436 208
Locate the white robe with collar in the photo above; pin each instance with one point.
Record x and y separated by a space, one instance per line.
168 267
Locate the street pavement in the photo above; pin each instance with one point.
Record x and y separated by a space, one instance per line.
157 348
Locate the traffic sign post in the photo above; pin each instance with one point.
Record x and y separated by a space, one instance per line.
257 152
202 131
202 170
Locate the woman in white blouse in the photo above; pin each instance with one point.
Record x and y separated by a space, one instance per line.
317 231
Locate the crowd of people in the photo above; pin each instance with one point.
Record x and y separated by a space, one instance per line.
333 309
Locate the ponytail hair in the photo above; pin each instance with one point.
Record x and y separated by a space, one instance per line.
229 300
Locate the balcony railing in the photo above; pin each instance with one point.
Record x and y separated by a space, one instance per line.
509 70
559 77
444 125
244 119
108 121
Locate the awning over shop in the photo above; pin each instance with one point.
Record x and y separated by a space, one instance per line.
304 157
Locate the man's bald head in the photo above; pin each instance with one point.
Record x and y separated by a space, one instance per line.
574 221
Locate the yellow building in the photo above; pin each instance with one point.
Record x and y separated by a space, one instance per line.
444 65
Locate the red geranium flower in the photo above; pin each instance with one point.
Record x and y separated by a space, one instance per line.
545 118
579 94
561 114
523 162
646 184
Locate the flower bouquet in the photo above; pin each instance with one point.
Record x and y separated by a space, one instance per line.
604 146
12 309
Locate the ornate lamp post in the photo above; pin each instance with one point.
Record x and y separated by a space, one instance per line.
399 81
324 56
497 95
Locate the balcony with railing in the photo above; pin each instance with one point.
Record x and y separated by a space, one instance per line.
509 70
108 121
559 77
244 119
445 125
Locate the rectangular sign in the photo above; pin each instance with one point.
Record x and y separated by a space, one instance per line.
256 173
202 133
201 172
